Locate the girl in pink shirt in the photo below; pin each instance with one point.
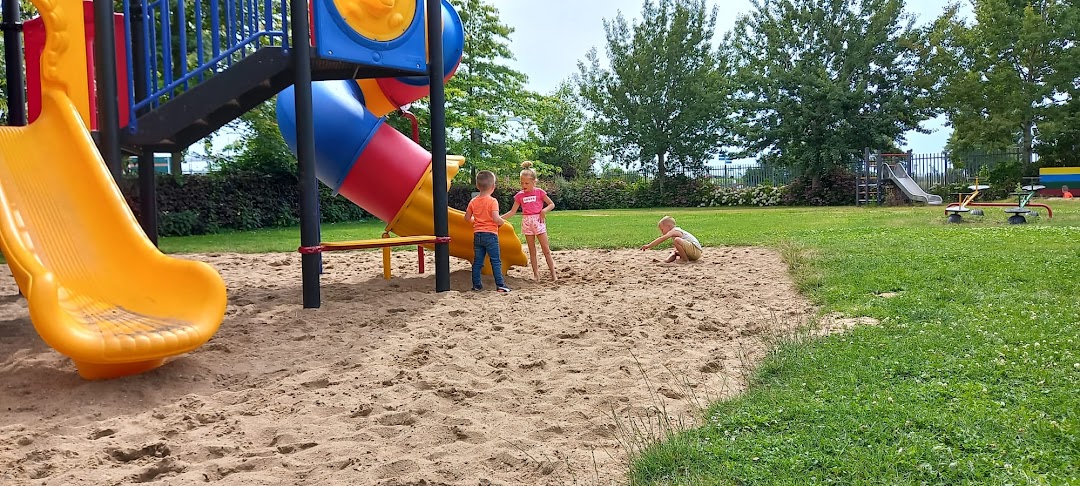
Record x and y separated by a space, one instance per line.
535 204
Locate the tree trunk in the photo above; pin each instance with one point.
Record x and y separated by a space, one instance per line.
1028 134
175 166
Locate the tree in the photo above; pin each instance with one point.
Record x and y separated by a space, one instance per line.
1016 68
1059 136
260 147
662 100
820 80
484 92
560 135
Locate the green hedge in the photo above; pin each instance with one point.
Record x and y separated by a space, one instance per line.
201 204
610 193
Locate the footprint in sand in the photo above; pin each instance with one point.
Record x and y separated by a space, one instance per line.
396 469
127 455
397 418
166 466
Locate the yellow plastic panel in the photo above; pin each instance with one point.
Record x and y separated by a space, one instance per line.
374 100
97 289
380 20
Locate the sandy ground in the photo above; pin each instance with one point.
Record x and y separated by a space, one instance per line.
390 383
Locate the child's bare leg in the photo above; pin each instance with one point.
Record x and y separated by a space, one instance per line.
531 240
680 249
674 255
547 254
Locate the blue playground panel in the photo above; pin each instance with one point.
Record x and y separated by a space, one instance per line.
335 39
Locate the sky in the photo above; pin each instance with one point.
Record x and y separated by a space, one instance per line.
551 36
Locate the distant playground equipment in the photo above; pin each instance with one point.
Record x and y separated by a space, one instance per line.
98 289
964 200
1016 212
877 168
1054 178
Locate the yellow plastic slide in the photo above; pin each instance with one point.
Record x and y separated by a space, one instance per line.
97 289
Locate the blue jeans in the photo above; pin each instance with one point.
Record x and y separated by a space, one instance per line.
485 243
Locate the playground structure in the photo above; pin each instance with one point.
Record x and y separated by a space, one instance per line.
1016 212
877 168
98 289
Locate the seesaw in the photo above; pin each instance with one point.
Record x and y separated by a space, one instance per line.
1016 211
954 211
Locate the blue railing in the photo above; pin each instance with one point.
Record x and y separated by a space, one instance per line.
186 41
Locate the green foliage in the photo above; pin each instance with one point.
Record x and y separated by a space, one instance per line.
560 135
1058 144
589 193
484 92
260 148
836 187
1017 66
663 94
821 80
628 192
749 196
234 201
26 12
181 223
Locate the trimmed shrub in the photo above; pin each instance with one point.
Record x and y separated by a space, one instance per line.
834 188
183 223
617 193
198 204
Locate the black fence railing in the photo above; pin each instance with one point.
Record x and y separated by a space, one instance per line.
928 170
941 169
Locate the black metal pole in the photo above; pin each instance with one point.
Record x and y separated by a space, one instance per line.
305 152
148 195
16 92
108 122
148 207
438 142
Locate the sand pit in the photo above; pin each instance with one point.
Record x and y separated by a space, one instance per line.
390 383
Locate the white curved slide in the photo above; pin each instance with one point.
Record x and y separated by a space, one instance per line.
899 175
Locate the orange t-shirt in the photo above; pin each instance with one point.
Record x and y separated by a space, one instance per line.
1067 195
481 208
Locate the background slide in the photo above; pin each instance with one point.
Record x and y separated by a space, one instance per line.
97 289
911 189
373 165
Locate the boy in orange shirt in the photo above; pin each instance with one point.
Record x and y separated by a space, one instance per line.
483 213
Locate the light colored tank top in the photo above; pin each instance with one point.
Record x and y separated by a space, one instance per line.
689 237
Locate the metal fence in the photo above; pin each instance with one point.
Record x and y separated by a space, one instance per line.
941 169
928 170
729 176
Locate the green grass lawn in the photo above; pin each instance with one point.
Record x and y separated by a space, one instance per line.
973 376
632 228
